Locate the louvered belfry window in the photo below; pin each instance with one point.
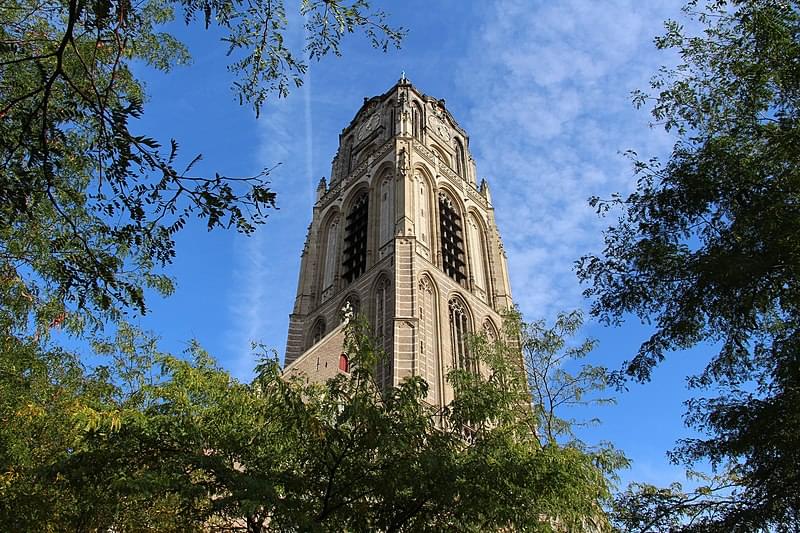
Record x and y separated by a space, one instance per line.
355 240
452 240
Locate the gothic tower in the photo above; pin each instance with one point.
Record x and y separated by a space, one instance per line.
406 236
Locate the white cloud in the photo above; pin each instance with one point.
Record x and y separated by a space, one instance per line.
268 261
549 90
246 302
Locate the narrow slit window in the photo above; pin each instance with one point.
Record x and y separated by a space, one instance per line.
461 160
416 121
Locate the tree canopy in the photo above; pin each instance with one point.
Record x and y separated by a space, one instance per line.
152 441
707 248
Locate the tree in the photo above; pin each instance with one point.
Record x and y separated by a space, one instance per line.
707 248
645 508
158 442
546 354
88 206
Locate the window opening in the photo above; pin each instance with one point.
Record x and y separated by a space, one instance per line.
330 258
386 211
452 240
477 256
459 331
383 331
428 344
490 331
381 308
422 224
318 332
350 308
460 158
344 363
355 241
348 154
416 120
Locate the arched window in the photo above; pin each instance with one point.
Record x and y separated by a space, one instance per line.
354 255
383 331
351 306
348 156
392 129
452 239
441 155
386 211
344 363
477 257
382 315
317 332
416 120
461 161
459 336
331 253
490 331
423 224
428 335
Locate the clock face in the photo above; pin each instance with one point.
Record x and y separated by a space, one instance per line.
370 124
440 128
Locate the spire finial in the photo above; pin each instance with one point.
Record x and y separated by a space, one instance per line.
403 76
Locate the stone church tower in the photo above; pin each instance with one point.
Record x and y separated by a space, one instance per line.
405 235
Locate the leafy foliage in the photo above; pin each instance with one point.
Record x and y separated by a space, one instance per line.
159 442
646 508
547 353
88 206
707 247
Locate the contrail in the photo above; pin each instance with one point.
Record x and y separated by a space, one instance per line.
309 121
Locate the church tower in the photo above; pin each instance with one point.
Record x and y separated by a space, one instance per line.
406 236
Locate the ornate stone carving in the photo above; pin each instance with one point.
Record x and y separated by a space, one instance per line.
475 196
335 191
438 125
367 126
425 153
447 171
402 162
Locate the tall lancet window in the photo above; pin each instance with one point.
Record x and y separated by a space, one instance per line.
428 336
452 240
423 224
461 161
416 120
382 311
331 249
459 336
383 331
386 211
348 156
477 256
354 261
392 129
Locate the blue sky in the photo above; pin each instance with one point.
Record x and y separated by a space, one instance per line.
543 89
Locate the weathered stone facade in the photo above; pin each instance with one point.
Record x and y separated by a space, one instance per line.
404 233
